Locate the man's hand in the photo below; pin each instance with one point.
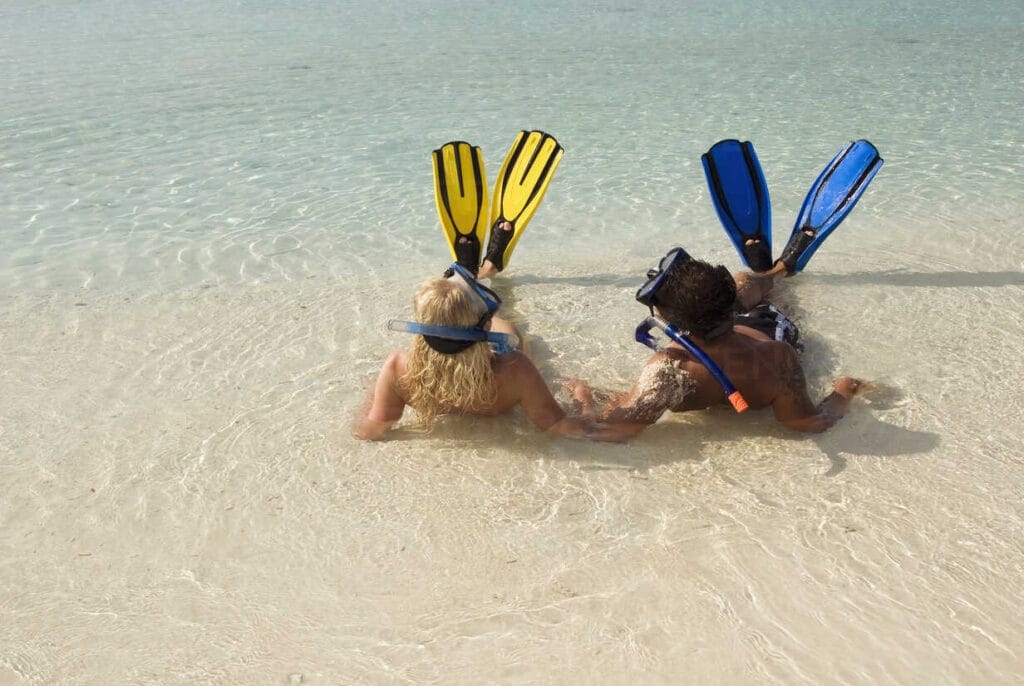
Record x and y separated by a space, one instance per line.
582 394
847 386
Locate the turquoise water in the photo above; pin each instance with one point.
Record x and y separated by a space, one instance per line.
208 212
153 149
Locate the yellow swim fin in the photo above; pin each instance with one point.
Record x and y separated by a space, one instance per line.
460 189
518 190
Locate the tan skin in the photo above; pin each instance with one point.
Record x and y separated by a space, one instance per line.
766 372
518 381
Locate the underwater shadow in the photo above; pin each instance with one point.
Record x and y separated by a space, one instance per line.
876 439
616 280
859 433
689 440
897 277
692 440
660 444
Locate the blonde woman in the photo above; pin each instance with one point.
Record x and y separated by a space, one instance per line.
463 360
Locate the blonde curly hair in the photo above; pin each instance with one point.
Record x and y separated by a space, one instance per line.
436 383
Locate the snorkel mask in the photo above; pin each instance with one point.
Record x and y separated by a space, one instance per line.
486 300
449 340
648 295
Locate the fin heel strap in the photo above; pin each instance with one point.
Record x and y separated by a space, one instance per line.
468 255
758 256
798 242
499 240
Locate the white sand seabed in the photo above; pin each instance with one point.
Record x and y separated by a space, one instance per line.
209 210
184 503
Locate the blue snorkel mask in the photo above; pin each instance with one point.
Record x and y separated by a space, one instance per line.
449 340
486 300
648 295
438 336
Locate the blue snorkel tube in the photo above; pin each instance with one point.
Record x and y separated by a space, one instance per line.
643 335
454 333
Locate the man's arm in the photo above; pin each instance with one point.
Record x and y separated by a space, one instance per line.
629 413
663 384
793 406
384 406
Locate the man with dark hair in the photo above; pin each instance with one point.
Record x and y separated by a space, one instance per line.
751 341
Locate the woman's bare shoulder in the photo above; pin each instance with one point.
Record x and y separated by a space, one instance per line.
396 361
515 372
512 362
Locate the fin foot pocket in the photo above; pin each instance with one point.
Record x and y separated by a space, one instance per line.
467 254
518 190
796 246
758 256
498 243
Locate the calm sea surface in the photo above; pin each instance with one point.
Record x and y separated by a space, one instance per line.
208 212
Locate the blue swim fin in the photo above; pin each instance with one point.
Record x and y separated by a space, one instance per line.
829 200
740 195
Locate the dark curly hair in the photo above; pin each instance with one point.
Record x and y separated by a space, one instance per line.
697 297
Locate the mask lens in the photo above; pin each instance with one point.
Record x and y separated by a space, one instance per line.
655 277
486 299
491 300
670 258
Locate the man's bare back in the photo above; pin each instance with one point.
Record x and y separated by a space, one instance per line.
766 371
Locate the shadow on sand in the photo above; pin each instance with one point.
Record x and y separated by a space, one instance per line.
860 433
901 278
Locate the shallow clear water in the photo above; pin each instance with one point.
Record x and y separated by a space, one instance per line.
208 213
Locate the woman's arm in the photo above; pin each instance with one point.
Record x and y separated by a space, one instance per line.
544 411
383 406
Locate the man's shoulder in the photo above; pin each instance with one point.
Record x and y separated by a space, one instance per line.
778 354
664 383
671 363
677 357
